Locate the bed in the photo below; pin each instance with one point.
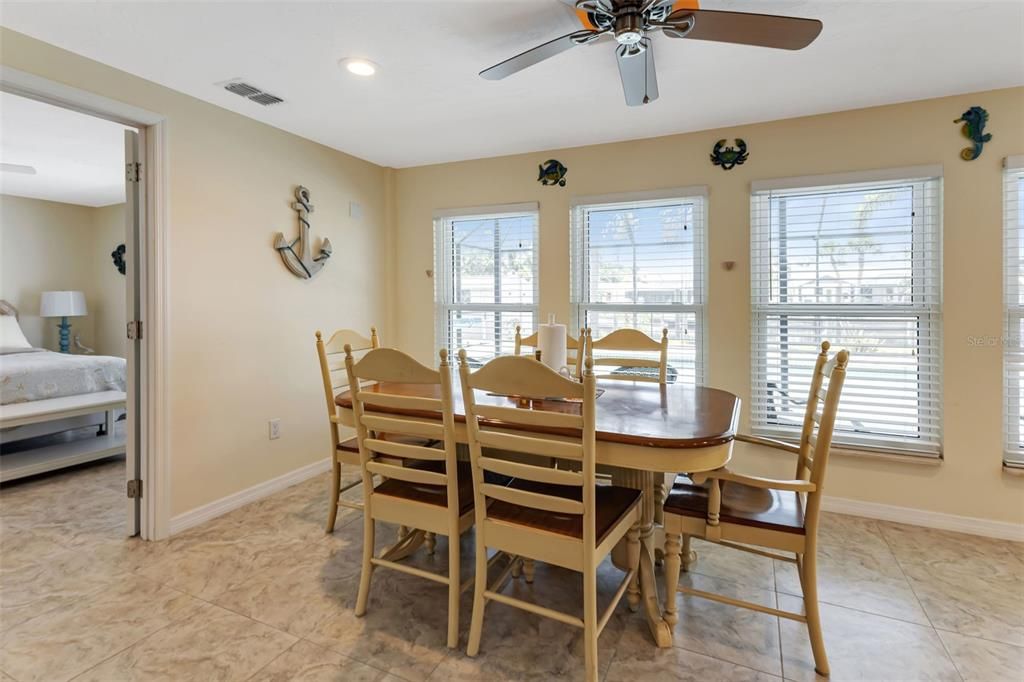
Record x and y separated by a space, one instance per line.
56 409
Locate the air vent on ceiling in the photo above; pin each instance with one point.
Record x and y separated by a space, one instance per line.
251 92
266 99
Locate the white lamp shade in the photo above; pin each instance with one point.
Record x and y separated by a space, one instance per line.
62 304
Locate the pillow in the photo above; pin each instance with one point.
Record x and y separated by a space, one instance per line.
11 335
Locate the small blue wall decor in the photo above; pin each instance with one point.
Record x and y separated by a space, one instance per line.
973 128
552 172
118 256
729 157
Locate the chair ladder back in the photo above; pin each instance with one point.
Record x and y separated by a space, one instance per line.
518 375
631 341
815 395
377 411
331 354
572 345
835 371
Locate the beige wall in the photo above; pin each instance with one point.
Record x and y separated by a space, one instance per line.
47 246
970 481
241 326
110 312
240 337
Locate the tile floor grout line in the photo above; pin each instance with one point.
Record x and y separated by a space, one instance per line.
120 651
725 660
286 650
984 639
913 591
345 656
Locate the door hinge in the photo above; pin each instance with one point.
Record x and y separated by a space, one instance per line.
133 172
135 488
135 330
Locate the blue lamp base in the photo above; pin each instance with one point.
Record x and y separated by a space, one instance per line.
65 335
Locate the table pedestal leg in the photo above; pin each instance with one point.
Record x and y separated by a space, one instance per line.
648 588
406 545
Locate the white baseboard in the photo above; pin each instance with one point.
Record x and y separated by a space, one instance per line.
206 512
929 519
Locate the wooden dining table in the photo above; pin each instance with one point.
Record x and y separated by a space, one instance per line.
644 431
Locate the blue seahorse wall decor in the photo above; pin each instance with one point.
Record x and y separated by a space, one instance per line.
974 120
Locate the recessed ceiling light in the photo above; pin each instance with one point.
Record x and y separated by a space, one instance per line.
359 67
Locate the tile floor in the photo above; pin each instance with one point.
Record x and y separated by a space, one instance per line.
263 594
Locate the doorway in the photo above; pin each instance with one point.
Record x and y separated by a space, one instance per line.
142 408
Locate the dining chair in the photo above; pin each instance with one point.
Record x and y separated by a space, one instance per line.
573 346
332 370
750 512
551 515
427 493
630 367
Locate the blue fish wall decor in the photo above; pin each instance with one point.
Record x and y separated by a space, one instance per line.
552 172
973 128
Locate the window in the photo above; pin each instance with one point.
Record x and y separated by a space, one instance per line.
1013 363
638 261
853 259
486 279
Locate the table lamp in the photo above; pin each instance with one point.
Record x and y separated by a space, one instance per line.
63 304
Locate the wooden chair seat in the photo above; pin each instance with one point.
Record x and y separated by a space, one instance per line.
743 505
437 495
610 504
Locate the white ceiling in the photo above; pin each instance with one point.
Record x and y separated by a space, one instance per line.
427 104
78 159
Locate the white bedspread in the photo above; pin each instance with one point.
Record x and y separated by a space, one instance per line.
40 374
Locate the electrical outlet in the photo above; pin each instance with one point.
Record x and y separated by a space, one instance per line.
275 429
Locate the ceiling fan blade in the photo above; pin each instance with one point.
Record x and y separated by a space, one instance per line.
639 81
763 30
539 54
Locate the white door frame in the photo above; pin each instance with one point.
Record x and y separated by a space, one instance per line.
154 421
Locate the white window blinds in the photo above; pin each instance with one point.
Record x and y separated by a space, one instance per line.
854 260
1013 362
485 279
638 261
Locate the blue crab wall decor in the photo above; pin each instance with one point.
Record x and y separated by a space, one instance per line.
729 157
973 128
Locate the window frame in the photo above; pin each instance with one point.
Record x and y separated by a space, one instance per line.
1013 314
579 257
444 292
925 305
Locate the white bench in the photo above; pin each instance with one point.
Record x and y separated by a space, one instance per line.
63 452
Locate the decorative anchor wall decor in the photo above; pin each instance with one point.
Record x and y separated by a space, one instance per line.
300 261
974 120
729 157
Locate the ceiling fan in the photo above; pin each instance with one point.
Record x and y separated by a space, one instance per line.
632 24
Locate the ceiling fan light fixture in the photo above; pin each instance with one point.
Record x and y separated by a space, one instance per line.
359 67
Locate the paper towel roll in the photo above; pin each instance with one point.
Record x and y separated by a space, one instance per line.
551 340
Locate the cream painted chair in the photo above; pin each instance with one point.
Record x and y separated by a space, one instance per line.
780 515
574 357
556 516
332 369
427 493
631 341
574 348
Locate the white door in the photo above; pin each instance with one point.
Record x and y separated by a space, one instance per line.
133 215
